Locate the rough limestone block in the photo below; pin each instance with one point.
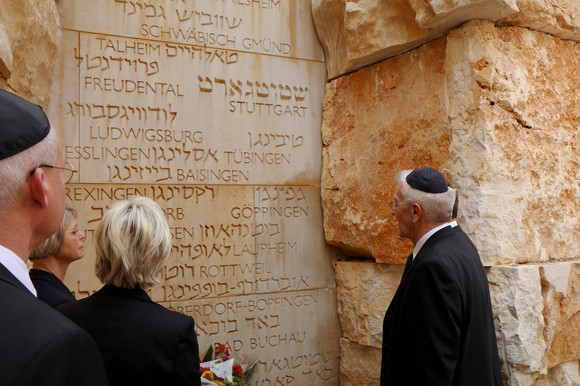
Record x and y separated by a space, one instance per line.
379 120
563 374
516 295
560 18
359 365
496 108
5 54
514 115
356 33
352 35
561 290
364 292
535 307
33 32
449 13
536 310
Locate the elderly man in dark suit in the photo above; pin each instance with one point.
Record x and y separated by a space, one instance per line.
438 329
38 346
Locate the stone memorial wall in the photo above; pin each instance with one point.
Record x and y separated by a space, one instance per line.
487 92
213 109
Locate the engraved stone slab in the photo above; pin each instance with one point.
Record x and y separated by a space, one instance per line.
150 114
289 349
213 110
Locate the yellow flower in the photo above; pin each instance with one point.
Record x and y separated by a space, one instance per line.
207 375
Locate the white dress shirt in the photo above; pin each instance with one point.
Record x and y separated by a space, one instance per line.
17 267
426 236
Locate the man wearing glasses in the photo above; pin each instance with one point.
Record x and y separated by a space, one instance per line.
439 327
38 346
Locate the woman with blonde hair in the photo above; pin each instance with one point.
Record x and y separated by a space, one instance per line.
50 261
142 343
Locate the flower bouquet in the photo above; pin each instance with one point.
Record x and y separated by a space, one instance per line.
219 368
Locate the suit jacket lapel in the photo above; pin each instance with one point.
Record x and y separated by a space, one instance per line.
441 233
7 276
407 266
410 266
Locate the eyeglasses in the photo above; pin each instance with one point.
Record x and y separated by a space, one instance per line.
395 205
67 171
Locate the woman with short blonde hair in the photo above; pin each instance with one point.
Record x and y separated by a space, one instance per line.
132 242
142 342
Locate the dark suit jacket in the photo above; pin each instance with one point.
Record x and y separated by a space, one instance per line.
439 327
50 289
39 346
142 342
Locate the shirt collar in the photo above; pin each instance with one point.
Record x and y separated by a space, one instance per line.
426 236
17 267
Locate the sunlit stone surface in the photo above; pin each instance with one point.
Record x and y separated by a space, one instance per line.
213 109
503 128
29 38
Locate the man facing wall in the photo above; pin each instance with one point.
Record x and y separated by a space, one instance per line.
438 329
39 346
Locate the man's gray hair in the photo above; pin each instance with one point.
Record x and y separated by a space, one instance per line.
14 170
437 207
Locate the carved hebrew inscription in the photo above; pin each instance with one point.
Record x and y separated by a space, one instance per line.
147 114
267 324
213 109
242 264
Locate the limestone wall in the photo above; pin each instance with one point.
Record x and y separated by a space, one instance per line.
29 37
494 104
357 33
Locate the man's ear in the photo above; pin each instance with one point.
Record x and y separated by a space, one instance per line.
38 187
417 212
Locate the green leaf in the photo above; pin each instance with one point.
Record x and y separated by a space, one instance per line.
208 355
250 370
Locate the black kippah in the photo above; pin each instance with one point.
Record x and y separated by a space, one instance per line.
427 180
22 124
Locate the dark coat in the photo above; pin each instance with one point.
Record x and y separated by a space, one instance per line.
50 289
142 342
439 327
39 346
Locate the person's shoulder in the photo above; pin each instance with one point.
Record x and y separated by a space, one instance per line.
40 274
170 314
58 346
456 253
441 257
435 261
75 306
54 319
159 315
41 321
450 240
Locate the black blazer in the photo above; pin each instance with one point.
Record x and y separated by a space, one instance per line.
39 346
438 329
50 289
142 342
